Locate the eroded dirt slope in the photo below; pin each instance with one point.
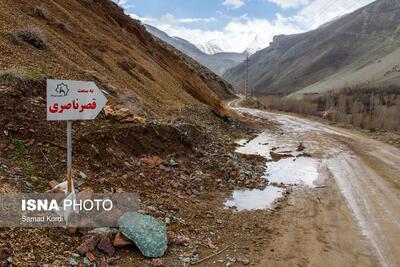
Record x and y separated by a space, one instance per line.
94 40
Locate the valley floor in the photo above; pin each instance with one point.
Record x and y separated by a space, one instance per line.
189 170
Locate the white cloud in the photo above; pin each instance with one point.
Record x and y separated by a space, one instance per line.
289 3
239 32
192 20
235 4
169 19
124 3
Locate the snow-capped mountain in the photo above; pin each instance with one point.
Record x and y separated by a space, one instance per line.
215 46
257 44
217 62
218 46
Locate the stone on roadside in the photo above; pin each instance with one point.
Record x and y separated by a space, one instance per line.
148 233
121 241
182 240
73 262
300 147
88 244
152 162
106 246
82 175
90 256
245 261
172 163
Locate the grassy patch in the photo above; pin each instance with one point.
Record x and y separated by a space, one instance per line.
26 168
36 73
12 76
21 78
372 130
20 148
236 135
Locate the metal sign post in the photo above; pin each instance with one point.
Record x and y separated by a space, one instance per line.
73 100
69 156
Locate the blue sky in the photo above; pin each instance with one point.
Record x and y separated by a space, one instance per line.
205 9
237 24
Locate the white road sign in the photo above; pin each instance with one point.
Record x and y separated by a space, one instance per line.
73 100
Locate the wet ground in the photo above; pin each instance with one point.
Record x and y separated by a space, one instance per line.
345 209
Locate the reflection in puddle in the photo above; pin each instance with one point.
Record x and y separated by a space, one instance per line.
288 171
291 171
265 142
254 199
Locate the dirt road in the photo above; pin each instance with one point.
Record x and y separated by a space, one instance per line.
352 216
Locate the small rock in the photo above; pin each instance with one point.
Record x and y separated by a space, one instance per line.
152 161
230 163
300 147
106 246
157 263
86 261
90 256
128 165
73 262
186 259
4 255
173 163
246 261
88 244
121 241
182 240
219 221
82 175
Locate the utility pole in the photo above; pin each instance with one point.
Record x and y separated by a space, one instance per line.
246 81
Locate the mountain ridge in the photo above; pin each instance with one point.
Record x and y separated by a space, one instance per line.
218 62
342 53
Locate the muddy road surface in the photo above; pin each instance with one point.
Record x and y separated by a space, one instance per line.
348 214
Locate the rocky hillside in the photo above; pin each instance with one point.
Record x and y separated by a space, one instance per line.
358 48
94 40
218 62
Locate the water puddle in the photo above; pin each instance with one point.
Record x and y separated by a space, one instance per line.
296 170
265 142
292 171
254 199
